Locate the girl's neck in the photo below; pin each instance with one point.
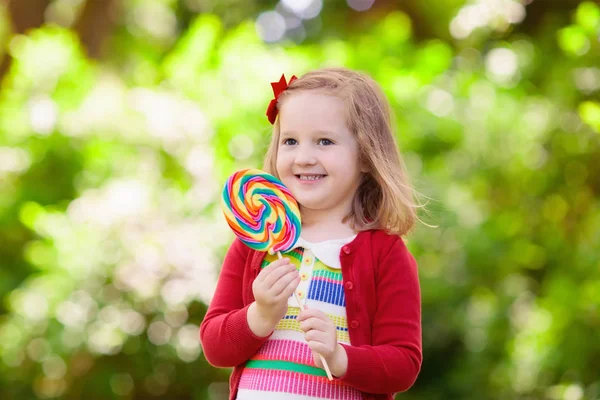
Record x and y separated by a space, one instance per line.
318 227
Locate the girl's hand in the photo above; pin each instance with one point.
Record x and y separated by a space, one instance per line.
272 288
320 333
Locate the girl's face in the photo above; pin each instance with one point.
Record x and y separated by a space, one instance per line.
317 157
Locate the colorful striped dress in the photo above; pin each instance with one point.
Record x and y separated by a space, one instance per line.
283 368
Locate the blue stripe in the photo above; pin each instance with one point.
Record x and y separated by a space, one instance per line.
327 292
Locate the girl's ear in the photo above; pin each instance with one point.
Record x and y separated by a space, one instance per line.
363 165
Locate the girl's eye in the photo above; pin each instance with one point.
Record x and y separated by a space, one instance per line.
325 142
289 142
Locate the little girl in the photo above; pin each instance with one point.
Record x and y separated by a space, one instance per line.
333 147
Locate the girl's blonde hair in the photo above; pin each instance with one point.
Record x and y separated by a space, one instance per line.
384 198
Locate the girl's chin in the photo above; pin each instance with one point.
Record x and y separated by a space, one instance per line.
306 195
308 202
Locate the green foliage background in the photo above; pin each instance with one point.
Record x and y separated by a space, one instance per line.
111 163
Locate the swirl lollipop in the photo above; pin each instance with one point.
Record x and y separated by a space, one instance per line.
264 215
261 211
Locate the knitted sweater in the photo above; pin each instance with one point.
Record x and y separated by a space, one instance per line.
284 367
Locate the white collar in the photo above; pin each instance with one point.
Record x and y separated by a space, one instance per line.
327 251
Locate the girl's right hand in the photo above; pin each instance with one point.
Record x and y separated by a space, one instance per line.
272 288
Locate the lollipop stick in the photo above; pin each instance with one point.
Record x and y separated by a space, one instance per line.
305 307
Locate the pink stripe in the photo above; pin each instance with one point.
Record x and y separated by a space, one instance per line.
322 278
285 350
296 383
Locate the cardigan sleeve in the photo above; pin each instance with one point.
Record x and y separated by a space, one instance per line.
393 361
225 336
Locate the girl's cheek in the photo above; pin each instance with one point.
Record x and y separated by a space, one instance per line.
283 159
279 160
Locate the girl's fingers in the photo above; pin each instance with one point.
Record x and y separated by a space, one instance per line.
289 289
318 347
269 268
312 313
317 336
273 275
283 282
317 360
314 323
273 266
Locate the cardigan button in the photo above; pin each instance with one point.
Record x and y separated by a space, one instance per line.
354 324
346 250
349 285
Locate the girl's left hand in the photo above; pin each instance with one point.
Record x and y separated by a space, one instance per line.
320 333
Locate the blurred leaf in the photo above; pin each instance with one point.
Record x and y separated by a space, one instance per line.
590 114
395 29
588 17
573 40
433 59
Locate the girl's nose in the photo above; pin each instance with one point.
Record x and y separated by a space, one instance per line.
305 156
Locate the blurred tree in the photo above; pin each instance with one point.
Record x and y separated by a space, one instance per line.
119 121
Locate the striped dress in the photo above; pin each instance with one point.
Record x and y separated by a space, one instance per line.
283 368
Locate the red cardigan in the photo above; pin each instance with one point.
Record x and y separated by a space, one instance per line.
383 306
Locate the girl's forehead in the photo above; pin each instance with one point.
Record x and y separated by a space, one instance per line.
314 110
311 99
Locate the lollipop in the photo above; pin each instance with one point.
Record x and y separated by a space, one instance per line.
261 211
264 215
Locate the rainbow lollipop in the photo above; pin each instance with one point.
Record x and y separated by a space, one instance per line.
264 215
261 211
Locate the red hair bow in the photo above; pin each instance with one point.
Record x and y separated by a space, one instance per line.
278 87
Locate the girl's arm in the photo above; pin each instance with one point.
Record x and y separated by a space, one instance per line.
226 337
393 362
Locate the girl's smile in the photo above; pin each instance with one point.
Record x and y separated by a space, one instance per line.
310 179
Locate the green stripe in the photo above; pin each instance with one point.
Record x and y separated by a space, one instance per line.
286 366
294 254
269 258
336 276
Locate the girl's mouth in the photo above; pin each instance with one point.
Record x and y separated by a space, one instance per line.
310 178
